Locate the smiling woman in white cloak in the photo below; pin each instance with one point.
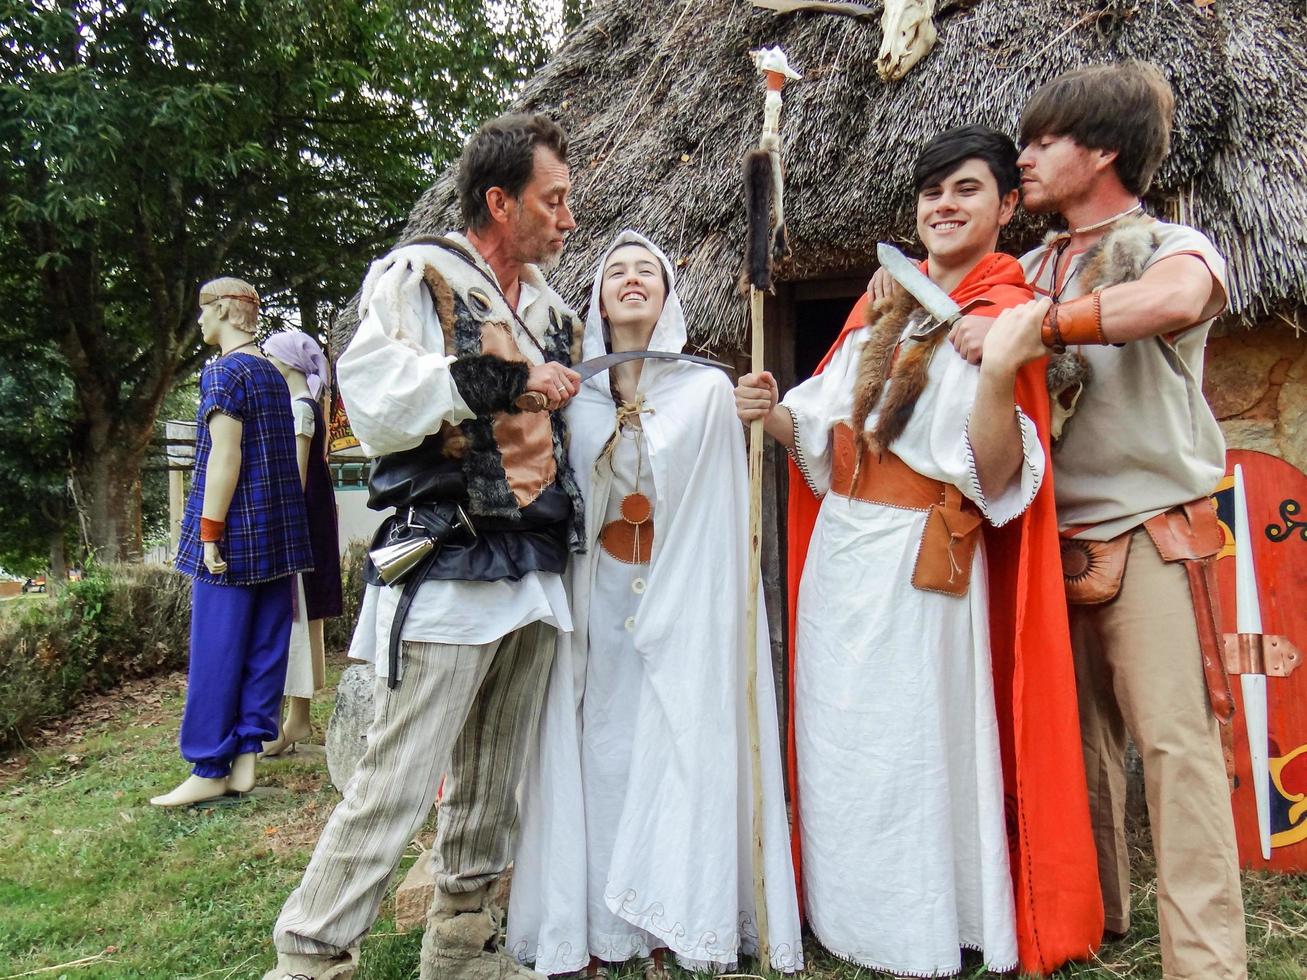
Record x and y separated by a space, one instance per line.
636 815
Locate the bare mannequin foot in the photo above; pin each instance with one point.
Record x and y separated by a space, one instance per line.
195 789
241 779
295 728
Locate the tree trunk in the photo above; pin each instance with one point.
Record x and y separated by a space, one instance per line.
306 298
107 474
57 575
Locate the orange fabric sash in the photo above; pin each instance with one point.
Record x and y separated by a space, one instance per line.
1059 908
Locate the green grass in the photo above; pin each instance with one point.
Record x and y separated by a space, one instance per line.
90 871
14 603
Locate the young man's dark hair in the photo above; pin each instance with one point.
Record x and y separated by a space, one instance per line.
502 154
1127 107
950 149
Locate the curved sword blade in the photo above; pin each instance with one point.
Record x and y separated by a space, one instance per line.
588 369
905 272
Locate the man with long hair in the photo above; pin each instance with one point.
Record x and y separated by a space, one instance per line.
1133 300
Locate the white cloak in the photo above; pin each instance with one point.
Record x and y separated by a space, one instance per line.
680 874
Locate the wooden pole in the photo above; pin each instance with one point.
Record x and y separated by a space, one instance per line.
751 638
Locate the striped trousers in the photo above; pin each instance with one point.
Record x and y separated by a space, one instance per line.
465 712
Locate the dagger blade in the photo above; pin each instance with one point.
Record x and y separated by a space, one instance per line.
905 272
1248 617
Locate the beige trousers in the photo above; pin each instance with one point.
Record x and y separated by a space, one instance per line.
465 712
1139 670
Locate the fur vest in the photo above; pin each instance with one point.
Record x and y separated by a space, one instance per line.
467 305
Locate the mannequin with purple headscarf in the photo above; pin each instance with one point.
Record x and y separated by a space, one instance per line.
306 370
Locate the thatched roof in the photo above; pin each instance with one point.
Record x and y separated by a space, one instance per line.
661 102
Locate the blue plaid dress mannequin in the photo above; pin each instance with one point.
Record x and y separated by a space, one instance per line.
240 620
267 533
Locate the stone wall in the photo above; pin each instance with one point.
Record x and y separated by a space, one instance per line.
1256 383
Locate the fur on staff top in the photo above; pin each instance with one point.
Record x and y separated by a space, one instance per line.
757 271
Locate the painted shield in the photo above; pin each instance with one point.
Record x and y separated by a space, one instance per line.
1277 513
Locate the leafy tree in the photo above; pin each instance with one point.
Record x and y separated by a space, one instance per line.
574 12
147 146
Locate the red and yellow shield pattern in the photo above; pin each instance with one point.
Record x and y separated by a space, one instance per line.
1277 512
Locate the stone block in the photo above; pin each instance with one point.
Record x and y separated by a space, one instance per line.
1237 374
1255 434
347 732
1291 426
413 897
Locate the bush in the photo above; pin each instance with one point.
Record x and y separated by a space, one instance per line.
120 622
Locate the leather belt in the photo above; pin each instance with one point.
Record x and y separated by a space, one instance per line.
883 478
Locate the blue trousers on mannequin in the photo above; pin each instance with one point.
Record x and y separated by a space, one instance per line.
240 642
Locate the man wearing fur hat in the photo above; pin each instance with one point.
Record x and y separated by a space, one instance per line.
1133 299
460 349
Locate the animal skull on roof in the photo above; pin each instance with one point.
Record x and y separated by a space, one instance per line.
907 35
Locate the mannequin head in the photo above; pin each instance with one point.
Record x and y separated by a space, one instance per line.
228 306
300 360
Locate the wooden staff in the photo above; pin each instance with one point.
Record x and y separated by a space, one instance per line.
765 244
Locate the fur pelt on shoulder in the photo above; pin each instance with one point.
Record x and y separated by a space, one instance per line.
878 367
1119 256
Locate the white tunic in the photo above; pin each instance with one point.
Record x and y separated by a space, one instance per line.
905 857
614 679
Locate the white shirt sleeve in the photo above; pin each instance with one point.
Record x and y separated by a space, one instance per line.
1020 492
937 443
817 404
302 412
394 375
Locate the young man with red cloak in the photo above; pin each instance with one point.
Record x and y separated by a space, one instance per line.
938 788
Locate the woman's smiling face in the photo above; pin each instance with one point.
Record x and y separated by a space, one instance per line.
632 290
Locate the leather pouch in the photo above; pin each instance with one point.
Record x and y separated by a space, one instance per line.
1189 532
948 547
1092 570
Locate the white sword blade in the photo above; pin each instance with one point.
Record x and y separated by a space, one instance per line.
1248 617
1254 714
1247 604
905 272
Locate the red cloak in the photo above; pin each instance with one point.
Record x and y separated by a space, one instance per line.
1059 907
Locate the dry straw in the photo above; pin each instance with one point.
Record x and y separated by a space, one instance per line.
661 105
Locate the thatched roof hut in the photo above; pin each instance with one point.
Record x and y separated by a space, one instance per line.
661 102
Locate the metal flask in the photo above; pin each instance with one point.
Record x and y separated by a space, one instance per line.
394 561
411 542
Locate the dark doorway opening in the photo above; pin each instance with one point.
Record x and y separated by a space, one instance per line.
817 322
820 308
